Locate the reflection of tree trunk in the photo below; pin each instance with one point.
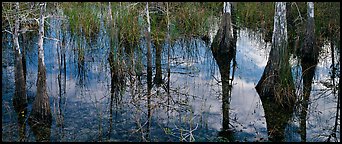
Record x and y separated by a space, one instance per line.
19 98
226 87
309 60
148 109
113 90
61 79
40 117
112 68
81 63
158 78
275 87
224 49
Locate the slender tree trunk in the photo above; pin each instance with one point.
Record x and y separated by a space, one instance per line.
40 117
19 98
148 41
275 87
149 70
168 56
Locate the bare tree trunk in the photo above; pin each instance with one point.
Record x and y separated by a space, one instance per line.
309 60
19 98
224 49
40 117
149 70
275 87
168 57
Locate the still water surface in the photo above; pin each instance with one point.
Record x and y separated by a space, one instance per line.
192 112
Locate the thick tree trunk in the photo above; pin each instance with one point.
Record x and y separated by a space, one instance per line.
309 60
275 87
40 117
19 98
224 49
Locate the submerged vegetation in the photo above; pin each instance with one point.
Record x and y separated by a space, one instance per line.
135 40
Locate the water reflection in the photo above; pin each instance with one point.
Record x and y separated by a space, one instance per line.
60 100
42 131
194 97
224 52
21 111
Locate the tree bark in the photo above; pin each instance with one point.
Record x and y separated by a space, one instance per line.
24 57
158 80
224 50
309 60
168 56
276 88
19 98
149 70
40 117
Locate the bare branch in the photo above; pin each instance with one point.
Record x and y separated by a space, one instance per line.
299 15
52 39
8 31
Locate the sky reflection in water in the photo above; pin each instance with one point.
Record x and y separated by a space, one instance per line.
195 97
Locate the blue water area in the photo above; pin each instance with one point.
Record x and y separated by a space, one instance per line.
191 112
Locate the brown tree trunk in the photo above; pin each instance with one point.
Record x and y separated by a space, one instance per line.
158 78
40 117
19 98
24 57
224 49
275 87
149 71
309 60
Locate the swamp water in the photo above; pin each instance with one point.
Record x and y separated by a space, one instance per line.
81 102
